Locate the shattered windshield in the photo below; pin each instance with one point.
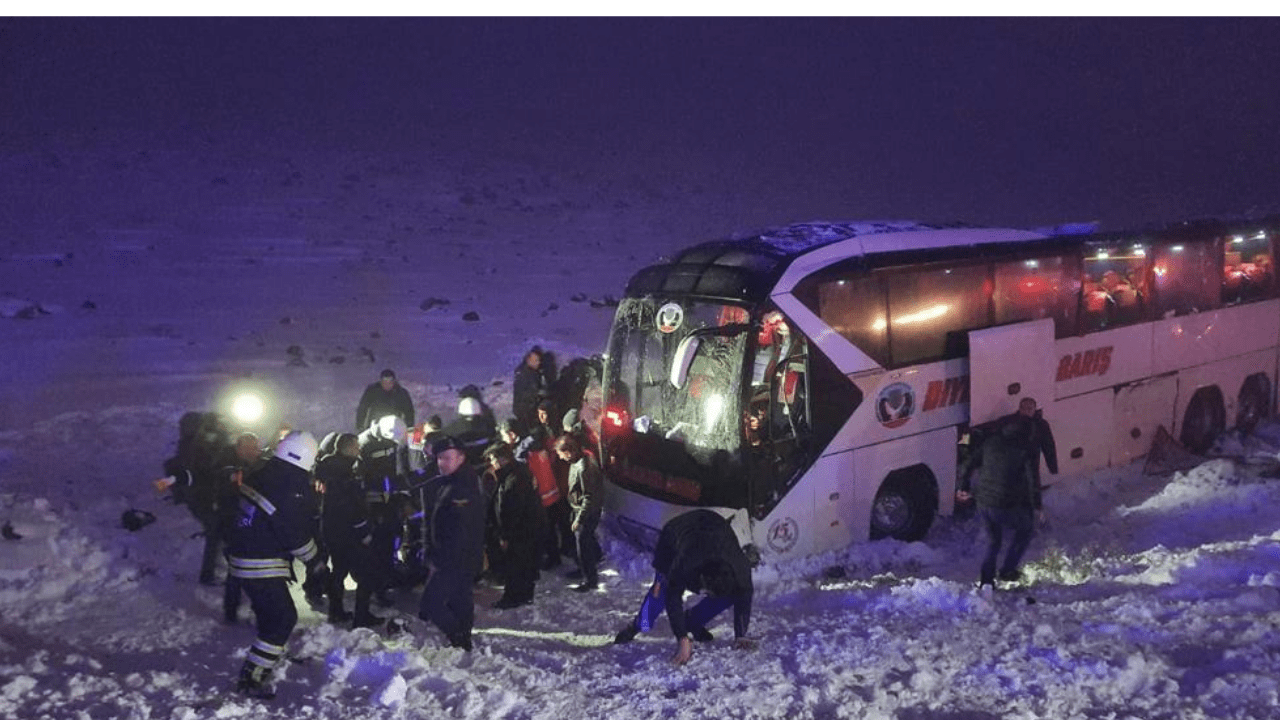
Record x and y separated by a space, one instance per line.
701 413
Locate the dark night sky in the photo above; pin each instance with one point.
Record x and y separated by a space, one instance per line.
991 120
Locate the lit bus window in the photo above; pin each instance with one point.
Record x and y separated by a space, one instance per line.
854 306
1185 277
1248 272
1037 288
931 311
1114 289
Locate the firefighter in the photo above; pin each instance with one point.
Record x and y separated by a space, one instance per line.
271 528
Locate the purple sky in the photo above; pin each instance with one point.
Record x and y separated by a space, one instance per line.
1019 121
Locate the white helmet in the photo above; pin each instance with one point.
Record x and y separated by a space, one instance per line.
298 448
469 406
392 427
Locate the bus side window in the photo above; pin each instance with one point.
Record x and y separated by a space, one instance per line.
1113 287
1185 277
1036 288
1248 273
931 309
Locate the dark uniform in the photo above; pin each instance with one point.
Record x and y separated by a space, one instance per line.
686 545
586 502
519 520
348 536
271 529
455 552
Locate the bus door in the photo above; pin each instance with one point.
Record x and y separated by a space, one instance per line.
1008 363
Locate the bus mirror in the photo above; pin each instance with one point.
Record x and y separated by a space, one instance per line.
683 360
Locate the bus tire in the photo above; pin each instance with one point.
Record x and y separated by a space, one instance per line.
905 506
1204 419
1254 402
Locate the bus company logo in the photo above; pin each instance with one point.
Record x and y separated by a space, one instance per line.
945 393
895 404
783 535
1089 362
670 317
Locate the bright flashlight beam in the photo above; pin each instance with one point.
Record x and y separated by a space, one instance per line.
247 407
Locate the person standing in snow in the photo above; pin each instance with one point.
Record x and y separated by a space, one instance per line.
531 385
586 498
455 551
271 529
247 459
1039 438
348 535
382 398
1008 496
699 552
518 520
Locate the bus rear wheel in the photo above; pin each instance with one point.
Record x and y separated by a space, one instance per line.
905 506
1204 419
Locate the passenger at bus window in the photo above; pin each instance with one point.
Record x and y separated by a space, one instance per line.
1095 306
773 343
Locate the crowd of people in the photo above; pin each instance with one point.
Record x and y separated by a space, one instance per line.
394 506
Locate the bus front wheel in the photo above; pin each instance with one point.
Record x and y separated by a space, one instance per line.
904 507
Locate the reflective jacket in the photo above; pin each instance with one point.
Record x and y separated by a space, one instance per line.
272 525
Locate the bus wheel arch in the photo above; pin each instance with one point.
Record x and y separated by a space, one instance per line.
905 504
1204 419
1254 402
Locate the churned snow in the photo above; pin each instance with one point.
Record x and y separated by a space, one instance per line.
137 283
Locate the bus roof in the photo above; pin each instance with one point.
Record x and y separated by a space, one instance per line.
745 269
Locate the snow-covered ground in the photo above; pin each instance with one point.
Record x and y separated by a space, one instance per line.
138 282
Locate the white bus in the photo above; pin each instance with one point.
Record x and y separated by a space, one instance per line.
814 382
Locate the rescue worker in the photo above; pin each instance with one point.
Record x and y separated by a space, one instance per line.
271 530
247 459
455 552
586 498
697 552
385 397
519 521
382 470
348 535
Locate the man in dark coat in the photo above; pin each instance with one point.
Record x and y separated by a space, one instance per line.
518 519
696 551
271 529
586 503
348 535
385 397
455 554
1008 496
532 384
1039 437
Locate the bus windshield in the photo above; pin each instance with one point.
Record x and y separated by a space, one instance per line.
701 411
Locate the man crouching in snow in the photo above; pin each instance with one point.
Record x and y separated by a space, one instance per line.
271 528
697 551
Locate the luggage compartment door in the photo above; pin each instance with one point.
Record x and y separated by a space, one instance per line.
1009 363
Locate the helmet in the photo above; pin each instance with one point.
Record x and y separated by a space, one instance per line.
469 406
298 448
392 427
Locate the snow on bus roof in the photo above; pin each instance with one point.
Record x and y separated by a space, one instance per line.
802 237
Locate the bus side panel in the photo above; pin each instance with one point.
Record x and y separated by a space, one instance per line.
904 402
1140 409
788 531
1102 359
835 489
1082 430
936 450
1191 340
1228 375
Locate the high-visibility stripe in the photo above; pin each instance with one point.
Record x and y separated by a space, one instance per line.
307 551
259 568
258 499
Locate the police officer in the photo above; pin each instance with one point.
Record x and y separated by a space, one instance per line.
271 529
455 552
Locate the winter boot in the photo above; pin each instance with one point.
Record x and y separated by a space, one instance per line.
701 634
461 640
255 681
626 634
